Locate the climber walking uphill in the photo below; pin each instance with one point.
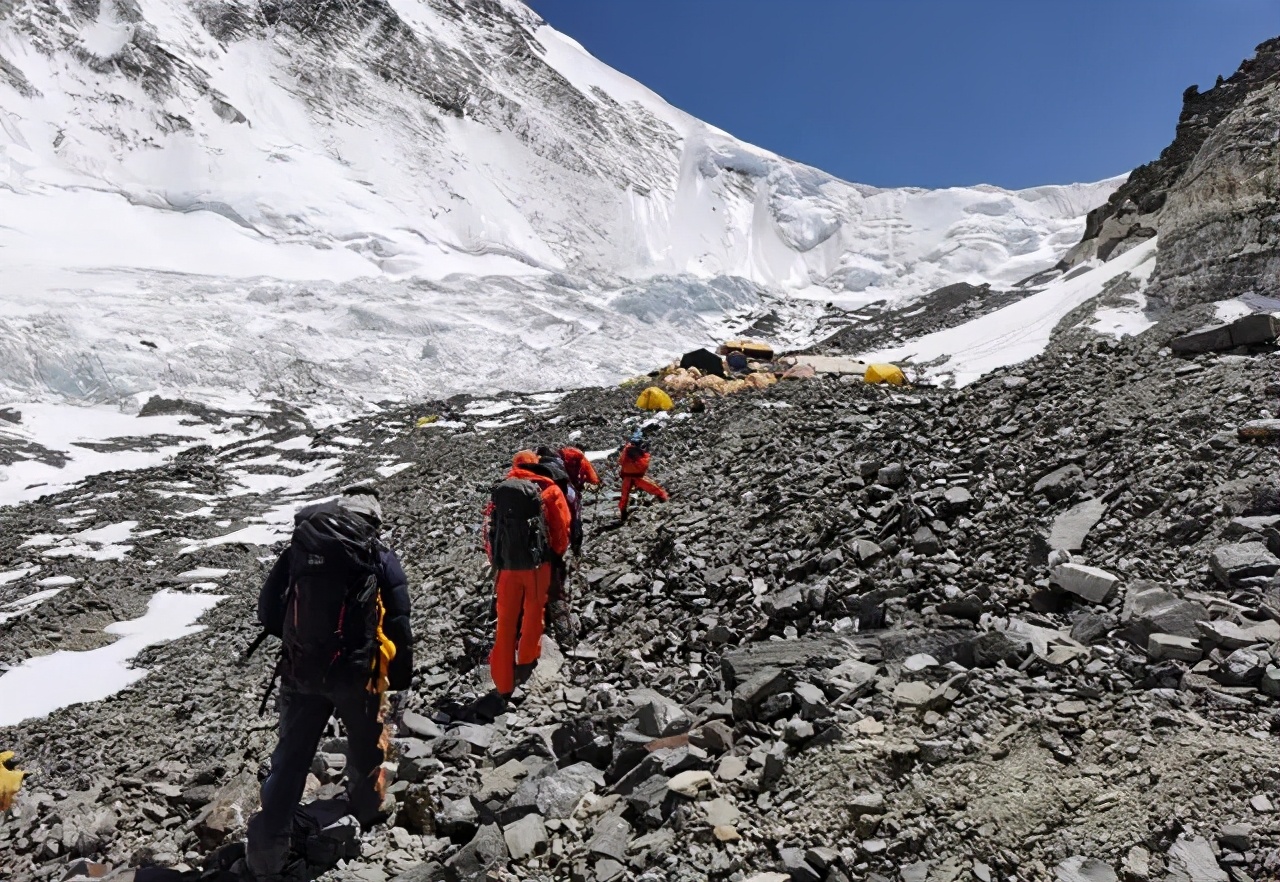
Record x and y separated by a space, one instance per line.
339 601
581 473
526 534
634 465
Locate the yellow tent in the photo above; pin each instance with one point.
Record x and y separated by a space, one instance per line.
885 373
654 398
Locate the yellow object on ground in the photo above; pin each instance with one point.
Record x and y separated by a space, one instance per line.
750 348
654 398
885 373
427 420
10 781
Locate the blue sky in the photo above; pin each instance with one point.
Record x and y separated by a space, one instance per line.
930 92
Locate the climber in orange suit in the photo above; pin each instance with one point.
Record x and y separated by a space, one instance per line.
634 464
522 586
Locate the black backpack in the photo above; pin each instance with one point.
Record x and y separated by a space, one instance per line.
517 532
553 468
333 609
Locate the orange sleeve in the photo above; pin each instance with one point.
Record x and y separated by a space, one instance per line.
585 470
556 513
635 468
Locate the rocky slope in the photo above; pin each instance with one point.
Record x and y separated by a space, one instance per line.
839 652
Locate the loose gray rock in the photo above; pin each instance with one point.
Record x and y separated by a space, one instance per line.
1089 583
1192 860
526 837
1232 565
1171 646
1084 869
1071 528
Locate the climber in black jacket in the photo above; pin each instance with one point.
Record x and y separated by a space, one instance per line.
358 699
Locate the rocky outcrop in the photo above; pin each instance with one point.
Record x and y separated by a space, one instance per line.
1220 228
1205 194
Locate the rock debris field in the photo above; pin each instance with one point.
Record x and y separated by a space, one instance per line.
1024 630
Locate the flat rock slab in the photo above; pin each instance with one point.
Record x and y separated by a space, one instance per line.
420 725
1246 526
731 768
610 837
1251 330
526 837
722 813
1060 483
1232 636
912 694
559 793
1072 527
1171 646
1084 869
825 650
1192 860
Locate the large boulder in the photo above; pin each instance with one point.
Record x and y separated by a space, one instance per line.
1232 565
1149 609
1252 330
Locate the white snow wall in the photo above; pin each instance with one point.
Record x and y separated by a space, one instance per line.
378 196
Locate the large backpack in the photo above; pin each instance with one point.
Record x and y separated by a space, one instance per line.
553 468
516 537
333 612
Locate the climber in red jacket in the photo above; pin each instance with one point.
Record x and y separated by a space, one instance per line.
634 464
581 473
523 561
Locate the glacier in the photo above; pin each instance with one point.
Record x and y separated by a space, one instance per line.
344 203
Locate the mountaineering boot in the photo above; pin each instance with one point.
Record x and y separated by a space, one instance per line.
490 706
524 672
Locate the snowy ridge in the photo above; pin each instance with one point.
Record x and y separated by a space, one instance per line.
1022 330
413 198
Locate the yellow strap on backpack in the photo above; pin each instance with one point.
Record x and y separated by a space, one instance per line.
10 780
380 681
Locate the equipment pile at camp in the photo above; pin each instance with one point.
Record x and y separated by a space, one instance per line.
1023 630
750 365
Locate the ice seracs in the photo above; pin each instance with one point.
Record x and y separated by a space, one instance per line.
474 195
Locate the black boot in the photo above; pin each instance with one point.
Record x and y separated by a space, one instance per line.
524 672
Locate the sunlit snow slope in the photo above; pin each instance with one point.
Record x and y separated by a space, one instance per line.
411 197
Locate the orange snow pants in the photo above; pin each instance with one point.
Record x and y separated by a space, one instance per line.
639 484
522 600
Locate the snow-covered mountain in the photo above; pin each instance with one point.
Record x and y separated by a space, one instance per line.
413 197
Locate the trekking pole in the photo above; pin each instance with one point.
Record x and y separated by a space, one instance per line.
252 648
271 685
